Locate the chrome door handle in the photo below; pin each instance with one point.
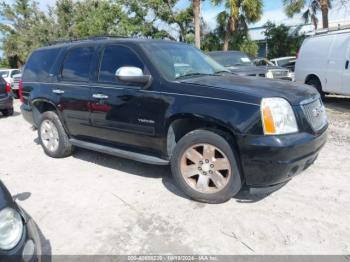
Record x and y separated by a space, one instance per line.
58 91
100 96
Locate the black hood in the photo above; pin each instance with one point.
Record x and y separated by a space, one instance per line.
5 197
258 87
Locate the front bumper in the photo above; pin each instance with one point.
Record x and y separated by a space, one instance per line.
29 248
273 160
6 102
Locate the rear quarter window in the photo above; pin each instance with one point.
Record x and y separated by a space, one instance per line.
39 65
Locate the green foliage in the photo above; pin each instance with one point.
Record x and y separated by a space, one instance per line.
250 47
281 41
25 28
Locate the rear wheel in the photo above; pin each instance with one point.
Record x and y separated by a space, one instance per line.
53 137
205 168
316 84
7 112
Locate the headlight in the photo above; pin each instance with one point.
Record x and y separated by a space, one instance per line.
11 228
277 116
269 74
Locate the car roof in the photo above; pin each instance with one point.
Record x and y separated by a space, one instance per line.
106 40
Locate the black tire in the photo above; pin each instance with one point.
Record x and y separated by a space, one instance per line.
316 84
65 148
200 136
16 94
8 112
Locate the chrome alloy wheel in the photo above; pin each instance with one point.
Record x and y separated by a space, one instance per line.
205 168
49 135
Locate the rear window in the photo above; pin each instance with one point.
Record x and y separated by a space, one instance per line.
39 65
4 73
76 65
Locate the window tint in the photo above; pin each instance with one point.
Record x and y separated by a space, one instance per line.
39 65
15 72
4 73
76 65
115 57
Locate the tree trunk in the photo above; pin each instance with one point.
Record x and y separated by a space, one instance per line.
324 9
230 29
197 26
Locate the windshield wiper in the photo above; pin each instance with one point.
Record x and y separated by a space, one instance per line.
194 74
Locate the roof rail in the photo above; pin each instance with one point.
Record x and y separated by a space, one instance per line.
89 38
339 28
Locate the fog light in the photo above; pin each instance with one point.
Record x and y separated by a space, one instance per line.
28 251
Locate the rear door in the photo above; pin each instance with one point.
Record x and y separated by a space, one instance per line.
72 90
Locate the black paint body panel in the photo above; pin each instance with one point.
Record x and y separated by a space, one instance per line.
137 119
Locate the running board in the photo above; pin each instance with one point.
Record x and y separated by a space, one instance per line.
120 153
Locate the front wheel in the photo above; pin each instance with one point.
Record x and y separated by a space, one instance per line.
205 168
316 84
53 137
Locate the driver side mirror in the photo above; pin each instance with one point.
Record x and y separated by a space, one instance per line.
132 75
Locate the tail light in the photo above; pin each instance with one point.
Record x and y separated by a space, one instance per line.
20 91
8 88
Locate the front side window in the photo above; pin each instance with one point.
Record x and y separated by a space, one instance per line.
76 66
115 57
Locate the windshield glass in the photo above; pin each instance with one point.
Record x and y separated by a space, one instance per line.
284 62
228 59
177 61
4 73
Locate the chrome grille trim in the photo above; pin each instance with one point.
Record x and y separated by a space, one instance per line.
315 113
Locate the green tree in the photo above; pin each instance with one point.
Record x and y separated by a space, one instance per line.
281 41
249 46
240 12
23 28
293 7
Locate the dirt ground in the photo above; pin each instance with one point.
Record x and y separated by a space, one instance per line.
92 203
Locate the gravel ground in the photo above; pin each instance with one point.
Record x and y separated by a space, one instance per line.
92 203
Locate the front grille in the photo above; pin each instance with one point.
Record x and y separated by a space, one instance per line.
315 114
279 73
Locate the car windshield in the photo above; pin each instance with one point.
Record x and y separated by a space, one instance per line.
177 61
228 59
4 73
284 62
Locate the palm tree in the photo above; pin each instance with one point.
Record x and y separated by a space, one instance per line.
249 11
196 5
293 7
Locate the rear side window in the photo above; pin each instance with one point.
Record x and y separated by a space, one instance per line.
39 65
76 65
114 57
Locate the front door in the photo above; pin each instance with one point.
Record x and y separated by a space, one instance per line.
118 110
346 73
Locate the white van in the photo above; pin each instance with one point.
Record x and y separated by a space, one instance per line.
323 62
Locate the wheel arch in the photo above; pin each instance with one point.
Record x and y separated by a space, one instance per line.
41 105
312 76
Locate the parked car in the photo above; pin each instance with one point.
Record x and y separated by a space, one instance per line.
19 235
239 63
163 102
8 74
6 100
287 62
15 84
323 62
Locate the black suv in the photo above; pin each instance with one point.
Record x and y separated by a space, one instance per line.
163 102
